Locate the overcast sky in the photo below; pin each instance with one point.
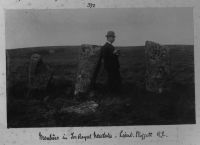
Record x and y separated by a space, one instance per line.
133 26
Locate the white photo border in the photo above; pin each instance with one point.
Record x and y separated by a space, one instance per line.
178 134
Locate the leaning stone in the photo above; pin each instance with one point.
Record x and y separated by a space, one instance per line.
39 75
157 66
88 59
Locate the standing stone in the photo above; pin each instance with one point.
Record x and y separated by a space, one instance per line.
157 66
39 74
88 59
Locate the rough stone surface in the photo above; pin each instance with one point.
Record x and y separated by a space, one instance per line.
39 74
88 59
157 66
81 109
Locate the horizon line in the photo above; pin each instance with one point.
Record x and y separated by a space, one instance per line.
93 44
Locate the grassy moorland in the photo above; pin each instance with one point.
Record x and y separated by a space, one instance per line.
134 106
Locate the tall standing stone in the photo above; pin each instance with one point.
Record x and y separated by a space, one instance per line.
39 74
88 59
157 66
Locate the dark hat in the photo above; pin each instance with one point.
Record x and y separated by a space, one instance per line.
110 33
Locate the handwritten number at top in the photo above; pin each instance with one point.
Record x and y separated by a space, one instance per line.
90 5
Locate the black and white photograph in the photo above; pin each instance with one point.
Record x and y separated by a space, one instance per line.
99 67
